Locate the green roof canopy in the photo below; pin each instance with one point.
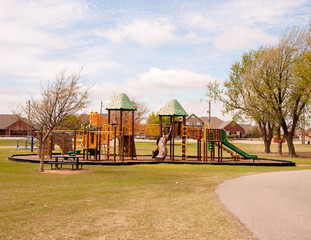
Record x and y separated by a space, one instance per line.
121 102
172 108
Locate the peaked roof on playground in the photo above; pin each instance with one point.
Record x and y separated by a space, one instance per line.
121 102
172 108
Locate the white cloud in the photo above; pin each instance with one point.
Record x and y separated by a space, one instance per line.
264 11
33 31
239 37
143 31
241 24
198 21
166 81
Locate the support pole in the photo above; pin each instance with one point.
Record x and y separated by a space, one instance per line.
74 141
122 144
87 144
99 143
114 143
183 136
160 125
173 138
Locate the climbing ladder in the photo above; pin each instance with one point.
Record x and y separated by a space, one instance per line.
184 142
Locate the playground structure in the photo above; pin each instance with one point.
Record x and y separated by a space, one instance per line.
113 139
26 143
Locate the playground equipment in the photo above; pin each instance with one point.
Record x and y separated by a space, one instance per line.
214 142
115 134
29 142
112 138
173 109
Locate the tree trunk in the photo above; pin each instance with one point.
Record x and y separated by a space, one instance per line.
42 160
267 145
289 135
280 141
267 135
41 153
290 144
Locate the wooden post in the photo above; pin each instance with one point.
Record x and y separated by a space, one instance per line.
87 144
173 138
99 142
109 116
220 145
132 139
199 145
108 142
122 144
160 125
74 142
114 143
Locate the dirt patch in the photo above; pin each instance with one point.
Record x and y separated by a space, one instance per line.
303 165
299 154
67 171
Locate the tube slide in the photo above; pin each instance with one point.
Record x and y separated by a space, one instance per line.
234 148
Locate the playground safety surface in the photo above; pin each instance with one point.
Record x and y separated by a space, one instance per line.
33 158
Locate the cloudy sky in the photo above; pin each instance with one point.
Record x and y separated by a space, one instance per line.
152 50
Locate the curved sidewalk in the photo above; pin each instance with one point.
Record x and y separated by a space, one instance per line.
272 205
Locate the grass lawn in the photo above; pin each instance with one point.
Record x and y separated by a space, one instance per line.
120 202
8 142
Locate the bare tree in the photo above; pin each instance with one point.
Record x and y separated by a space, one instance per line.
59 99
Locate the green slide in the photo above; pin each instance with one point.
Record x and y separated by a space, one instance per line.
234 148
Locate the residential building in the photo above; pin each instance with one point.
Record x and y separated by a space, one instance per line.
231 127
12 125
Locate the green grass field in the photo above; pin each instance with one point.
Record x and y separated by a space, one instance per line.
121 202
8 142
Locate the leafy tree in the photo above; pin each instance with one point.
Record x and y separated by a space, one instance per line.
283 88
59 100
139 114
155 119
71 122
238 97
271 85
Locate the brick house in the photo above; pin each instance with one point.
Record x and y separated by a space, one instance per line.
12 125
231 127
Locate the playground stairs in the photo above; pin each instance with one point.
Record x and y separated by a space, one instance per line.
234 155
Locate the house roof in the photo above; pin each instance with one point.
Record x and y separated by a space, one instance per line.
224 124
214 120
246 127
195 116
121 102
172 108
7 120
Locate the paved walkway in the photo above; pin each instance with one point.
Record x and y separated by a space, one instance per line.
271 205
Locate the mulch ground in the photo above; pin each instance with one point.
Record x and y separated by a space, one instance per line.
149 159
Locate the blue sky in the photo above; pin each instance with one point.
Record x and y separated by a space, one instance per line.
151 50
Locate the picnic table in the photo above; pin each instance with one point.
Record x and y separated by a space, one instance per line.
61 160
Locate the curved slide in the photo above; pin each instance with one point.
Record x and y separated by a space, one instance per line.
236 149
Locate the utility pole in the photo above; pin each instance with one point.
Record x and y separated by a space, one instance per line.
209 109
101 108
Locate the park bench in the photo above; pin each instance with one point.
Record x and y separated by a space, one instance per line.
61 160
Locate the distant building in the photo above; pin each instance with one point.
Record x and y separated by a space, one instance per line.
231 127
12 125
